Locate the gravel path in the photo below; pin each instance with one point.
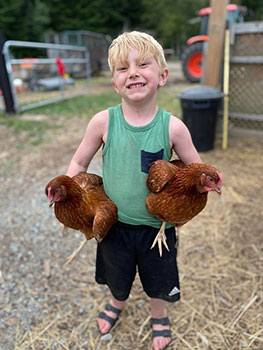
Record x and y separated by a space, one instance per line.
42 303
33 249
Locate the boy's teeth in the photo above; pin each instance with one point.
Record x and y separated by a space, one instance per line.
136 85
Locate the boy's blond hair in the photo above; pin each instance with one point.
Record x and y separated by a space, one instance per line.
142 42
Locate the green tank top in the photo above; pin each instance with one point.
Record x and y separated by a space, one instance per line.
127 154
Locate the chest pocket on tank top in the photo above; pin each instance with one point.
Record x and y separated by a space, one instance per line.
148 157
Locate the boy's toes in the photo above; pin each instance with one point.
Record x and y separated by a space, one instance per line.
160 343
104 326
107 318
161 334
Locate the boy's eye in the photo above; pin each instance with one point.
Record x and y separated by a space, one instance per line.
143 64
119 69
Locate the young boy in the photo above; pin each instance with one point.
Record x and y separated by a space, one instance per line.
134 134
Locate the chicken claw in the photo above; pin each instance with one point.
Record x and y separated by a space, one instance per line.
75 253
161 238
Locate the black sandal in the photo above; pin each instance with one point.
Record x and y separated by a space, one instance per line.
163 333
112 321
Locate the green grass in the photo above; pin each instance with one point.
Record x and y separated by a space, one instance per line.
92 104
87 106
83 106
79 107
167 100
33 129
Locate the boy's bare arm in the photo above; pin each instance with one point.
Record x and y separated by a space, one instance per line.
94 137
181 142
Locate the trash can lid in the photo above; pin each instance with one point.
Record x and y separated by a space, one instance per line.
201 93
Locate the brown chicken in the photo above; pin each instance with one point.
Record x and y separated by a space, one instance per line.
81 204
179 192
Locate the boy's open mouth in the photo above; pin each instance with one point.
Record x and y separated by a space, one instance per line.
135 85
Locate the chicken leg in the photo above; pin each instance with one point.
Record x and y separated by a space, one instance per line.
161 238
75 253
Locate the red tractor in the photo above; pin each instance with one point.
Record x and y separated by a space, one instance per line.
192 57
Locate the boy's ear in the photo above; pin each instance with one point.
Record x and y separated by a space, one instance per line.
114 85
163 77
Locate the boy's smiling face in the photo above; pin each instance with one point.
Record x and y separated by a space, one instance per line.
137 79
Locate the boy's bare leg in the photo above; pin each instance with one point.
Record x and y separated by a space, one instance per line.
104 325
158 310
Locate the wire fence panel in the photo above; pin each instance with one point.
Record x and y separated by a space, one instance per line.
246 76
59 72
96 43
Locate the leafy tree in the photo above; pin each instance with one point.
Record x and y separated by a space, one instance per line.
254 9
169 19
24 19
102 16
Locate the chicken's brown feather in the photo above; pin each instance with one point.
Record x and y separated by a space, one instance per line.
160 173
87 180
183 196
85 206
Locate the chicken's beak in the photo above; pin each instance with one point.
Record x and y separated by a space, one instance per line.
51 203
218 190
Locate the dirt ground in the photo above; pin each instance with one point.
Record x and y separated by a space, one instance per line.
46 306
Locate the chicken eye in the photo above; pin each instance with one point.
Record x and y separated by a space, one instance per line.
211 179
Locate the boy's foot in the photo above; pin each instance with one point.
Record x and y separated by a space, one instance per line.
108 317
161 333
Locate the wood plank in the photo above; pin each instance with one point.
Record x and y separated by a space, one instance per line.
213 62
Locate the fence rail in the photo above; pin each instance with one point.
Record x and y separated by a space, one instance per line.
63 73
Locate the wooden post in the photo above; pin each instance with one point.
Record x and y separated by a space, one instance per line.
213 62
4 81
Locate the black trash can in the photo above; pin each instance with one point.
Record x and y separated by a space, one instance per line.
200 108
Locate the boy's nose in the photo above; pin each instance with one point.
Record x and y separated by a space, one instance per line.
133 73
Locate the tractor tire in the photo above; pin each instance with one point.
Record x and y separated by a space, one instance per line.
192 59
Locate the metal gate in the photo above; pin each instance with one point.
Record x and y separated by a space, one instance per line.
62 72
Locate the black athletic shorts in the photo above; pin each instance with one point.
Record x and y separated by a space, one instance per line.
127 247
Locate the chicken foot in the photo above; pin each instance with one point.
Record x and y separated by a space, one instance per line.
75 253
161 238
